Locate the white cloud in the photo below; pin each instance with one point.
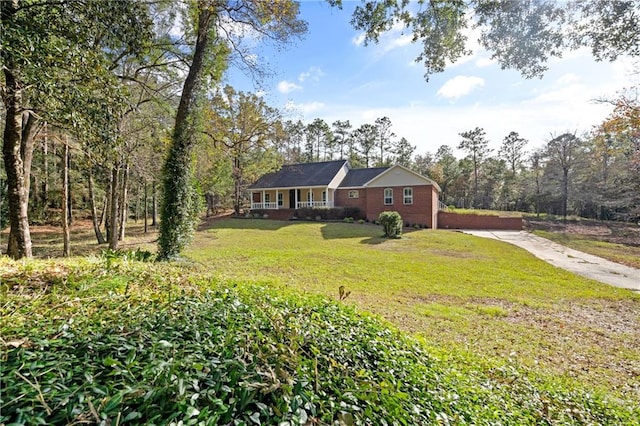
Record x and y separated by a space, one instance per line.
261 93
358 40
397 41
568 79
304 108
313 74
285 87
485 61
396 37
459 86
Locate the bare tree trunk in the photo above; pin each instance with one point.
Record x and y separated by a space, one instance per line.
124 207
68 183
30 128
176 217
565 193
107 208
94 213
154 204
136 212
103 215
65 198
19 245
145 207
113 216
45 168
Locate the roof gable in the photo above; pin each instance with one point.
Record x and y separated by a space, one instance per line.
400 176
304 174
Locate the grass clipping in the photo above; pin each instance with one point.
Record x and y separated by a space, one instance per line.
117 341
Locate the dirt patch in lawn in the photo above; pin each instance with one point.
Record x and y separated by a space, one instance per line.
591 340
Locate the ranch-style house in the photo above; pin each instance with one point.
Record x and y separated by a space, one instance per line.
332 184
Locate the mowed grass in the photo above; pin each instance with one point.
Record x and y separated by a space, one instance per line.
467 297
620 253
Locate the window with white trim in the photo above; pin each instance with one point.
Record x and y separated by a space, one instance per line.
354 194
309 196
388 196
407 195
280 199
267 197
324 196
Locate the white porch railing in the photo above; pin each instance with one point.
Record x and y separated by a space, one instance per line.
442 206
315 204
264 206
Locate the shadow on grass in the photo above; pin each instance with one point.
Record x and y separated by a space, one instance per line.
340 230
374 240
230 222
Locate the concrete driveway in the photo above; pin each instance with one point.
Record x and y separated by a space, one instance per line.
575 261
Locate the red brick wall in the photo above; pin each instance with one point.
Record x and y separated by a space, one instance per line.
420 212
281 214
343 200
472 221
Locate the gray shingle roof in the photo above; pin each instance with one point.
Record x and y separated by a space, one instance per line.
305 174
358 177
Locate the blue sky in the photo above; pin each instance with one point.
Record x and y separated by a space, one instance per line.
330 74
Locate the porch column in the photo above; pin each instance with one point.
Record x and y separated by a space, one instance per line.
251 199
310 197
295 191
277 205
262 199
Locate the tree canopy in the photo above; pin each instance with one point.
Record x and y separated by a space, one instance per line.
521 35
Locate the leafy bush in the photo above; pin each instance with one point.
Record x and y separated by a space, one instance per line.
183 349
391 223
336 213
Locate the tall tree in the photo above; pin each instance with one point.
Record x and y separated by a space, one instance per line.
244 126
476 145
512 150
295 138
403 151
384 135
212 42
318 137
563 152
341 135
366 138
49 52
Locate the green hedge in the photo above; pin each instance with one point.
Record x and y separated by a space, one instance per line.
122 342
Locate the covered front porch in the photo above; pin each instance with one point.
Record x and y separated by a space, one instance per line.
292 198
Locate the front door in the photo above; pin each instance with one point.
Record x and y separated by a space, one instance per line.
292 198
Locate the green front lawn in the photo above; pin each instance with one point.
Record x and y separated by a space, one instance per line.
465 296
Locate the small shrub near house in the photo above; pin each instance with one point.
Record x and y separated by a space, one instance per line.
391 223
335 213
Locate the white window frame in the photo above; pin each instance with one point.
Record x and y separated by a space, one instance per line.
324 196
388 199
309 196
354 193
407 198
267 197
280 199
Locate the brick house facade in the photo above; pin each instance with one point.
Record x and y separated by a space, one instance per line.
335 184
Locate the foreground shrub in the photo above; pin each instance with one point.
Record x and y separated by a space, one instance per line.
391 223
335 213
161 346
